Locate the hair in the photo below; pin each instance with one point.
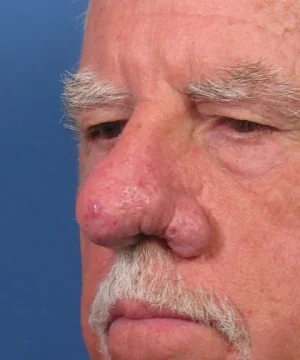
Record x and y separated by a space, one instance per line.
133 277
244 81
86 13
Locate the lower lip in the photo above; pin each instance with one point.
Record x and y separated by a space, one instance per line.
153 324
138 338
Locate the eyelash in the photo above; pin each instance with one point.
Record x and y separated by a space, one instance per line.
106 131
112 130
244 126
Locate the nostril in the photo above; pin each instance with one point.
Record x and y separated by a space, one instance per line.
188 234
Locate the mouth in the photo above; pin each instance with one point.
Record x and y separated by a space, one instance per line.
138 310
139 327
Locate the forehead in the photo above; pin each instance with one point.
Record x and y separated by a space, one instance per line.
282 6
283 14
185 36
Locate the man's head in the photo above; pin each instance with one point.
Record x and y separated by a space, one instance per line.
188 114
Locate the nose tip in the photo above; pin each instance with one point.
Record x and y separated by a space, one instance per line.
112 209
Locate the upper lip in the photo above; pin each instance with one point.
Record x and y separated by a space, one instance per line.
140 310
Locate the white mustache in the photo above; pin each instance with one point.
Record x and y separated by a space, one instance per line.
146 273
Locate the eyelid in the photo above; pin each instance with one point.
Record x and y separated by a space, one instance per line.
238 112
116 127
244 126
222 119
90 117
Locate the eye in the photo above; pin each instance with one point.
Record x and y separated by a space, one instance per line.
244 126
106 131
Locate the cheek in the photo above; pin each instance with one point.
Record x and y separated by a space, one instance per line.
256 221
246 158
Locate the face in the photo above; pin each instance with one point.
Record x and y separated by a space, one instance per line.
190 182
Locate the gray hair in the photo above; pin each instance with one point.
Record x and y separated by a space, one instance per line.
241 82
133 278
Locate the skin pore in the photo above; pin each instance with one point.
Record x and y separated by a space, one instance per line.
210 187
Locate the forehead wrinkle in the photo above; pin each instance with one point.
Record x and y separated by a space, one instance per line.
131 18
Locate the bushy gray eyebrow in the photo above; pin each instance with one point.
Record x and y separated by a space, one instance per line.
85 90
249 82
241 82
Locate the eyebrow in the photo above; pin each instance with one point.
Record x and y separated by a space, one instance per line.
85 90
242 82
249 82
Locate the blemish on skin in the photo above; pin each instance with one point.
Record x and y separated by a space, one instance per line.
96 208
173 230
141 183
249 313
196 150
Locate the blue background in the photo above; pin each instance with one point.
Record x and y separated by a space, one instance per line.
39 250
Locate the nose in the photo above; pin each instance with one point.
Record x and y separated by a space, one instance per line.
135 191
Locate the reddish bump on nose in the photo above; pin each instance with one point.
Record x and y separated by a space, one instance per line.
117 203
189 232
